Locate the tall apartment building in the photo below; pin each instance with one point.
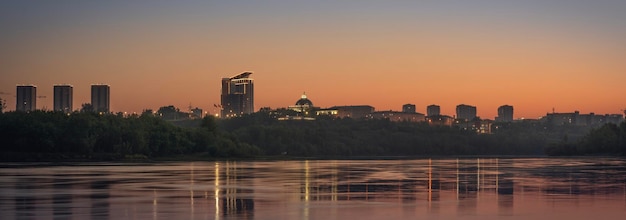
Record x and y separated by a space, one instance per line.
408 108
26 98
101 98
63 98
237 97
505 113
465 112
433 110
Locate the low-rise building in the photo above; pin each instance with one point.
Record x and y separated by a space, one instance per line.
350 111
577 119
440 120
398 116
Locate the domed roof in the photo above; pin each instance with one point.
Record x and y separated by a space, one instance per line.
304 101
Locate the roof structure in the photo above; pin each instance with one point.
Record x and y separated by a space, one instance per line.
242 75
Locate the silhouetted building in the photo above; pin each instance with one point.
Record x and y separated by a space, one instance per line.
304 106
397 116
171 113
478 126
441 120
562 118
408 108
101 98
351 111
237 96
577 119
465 112
63 98
26 99
484 126
197 113
433 110
505 114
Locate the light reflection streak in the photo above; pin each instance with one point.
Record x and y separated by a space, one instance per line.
154 204
457 179
497 176
478 175
430 181
306 190
191 182
334 181
217 191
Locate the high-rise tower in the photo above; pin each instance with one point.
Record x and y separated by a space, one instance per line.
408 108
101 98
26 99
237 95
63 98
505 113
433 110
465 112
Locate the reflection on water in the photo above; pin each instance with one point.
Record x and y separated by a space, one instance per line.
489 188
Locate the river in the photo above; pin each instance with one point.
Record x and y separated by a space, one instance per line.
477 188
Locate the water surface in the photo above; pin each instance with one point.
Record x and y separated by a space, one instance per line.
589 188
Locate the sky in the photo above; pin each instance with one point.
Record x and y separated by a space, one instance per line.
535 55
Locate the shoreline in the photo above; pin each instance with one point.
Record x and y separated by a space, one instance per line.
13 157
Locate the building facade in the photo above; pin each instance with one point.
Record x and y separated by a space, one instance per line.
465 112
349 111
397 116
433 110
101 98
63 98
26 98
408 108
440 120
505 114
237 97
577 119
304 106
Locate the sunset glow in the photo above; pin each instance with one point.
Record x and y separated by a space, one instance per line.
534 55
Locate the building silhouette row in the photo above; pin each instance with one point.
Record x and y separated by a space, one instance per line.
305 110
237 98
63 98
466 115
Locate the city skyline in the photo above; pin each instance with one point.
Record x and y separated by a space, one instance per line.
534 55
100 99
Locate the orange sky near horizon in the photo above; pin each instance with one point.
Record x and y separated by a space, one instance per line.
376 54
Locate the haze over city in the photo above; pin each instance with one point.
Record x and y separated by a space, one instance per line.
534 55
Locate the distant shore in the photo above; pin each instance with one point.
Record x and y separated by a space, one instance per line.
84 136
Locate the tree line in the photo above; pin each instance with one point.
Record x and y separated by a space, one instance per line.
341 137
609 139
87 135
